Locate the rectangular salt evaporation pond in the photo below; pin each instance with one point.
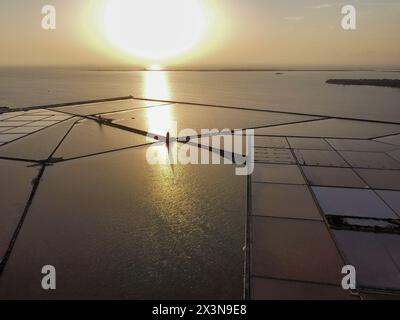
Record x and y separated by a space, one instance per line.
320 158
370 160
272 289
392 198
381 179
106 107
332 128
28 118
352 202
335 177
273 155
8 115
13 123
361 145
24 130
286 201
43 112
270 142
395 155
296 250
394 140
88 137
117 227
376 258
309 144
277 173
160 120
39 145
8 137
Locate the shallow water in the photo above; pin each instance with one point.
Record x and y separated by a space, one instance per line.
116 227
298 91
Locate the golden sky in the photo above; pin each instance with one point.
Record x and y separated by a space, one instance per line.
201 33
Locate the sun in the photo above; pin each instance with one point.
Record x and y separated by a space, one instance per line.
154 30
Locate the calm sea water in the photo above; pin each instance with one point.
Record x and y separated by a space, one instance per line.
299 91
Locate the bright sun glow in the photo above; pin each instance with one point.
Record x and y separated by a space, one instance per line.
155 67
154 29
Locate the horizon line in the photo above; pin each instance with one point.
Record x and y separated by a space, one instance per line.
215 68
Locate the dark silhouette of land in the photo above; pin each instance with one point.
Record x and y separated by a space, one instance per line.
4 109
389 83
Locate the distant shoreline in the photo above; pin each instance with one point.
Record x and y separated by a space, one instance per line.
388 83
99 68
244 70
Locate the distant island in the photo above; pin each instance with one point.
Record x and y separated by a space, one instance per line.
4 109
389 83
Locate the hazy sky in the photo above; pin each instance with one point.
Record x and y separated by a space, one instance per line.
238 33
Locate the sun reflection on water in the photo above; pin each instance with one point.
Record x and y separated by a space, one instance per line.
157 87
160 120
